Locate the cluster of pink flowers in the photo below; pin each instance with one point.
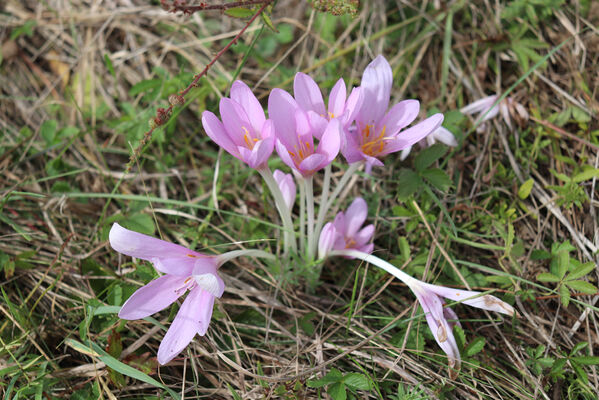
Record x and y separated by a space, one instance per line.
360 126
307 136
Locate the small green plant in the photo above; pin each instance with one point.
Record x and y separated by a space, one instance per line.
565 271
338 384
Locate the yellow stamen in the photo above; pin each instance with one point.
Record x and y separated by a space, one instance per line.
375 146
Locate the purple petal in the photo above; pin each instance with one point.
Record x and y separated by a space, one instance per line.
153 297
193 317
414 134
307 94
339 223
371 162
178 266
261 152
312 163
216 131
236 122
367 248
146 247
355 215
352 106
351 149
205 275
318 124
242 94
364 235
440 328
337 99
376 86
281 110
452 317
486 301
399 116
284 154
245 155
287 186
268 129
303 128
331 141
326 240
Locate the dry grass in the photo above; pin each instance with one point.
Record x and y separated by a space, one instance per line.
267 340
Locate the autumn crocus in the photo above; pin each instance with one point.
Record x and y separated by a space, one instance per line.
244 131
184 271
346 231
439 317
309 98
380 132
295 135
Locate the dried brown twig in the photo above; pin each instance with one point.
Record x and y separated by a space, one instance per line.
163 114
181 5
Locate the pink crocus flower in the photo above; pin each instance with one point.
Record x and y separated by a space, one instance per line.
486 111
287 186
244 132
440 318
308 96
380 132
185 270
440 134
345 233
295 135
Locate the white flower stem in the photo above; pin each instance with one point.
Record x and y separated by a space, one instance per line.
388 267
326 205
302 214
284 211
309 184
225 257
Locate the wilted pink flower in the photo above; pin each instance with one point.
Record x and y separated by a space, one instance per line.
379 132
440 134
295 141
244 133
308 96
185 270
485 110
440 318
287 186
345 233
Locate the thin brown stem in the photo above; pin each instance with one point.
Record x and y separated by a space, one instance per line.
180 6
162 114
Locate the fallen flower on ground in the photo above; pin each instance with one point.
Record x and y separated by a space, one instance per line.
486 110
439 317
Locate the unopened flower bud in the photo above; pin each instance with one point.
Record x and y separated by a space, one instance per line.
153 123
